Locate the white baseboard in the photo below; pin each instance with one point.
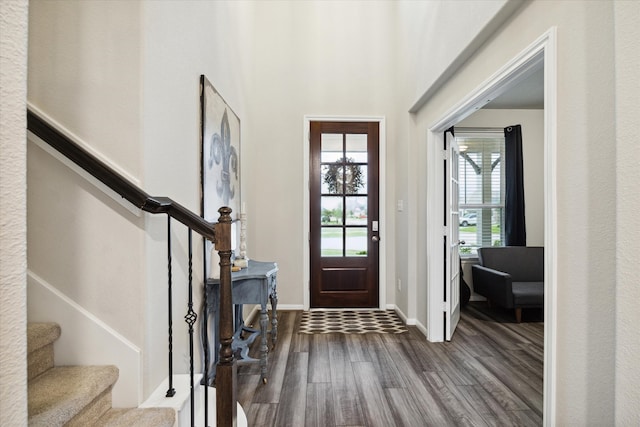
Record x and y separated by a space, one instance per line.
290 307
86 340
407 320
253 316
422 329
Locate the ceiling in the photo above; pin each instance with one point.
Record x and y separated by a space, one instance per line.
526 95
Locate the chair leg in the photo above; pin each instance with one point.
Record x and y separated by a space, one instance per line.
518 314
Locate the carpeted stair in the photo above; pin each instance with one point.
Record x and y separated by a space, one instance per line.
77 395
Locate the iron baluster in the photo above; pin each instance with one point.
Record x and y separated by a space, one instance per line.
170 391
190 318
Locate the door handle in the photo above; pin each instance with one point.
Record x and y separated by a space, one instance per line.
375 238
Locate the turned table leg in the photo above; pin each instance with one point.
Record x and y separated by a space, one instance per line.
264 321
274 318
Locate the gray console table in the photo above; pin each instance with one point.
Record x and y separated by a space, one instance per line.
255 284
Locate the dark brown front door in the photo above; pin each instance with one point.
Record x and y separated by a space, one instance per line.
344 214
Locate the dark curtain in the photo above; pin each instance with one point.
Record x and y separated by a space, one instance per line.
515 230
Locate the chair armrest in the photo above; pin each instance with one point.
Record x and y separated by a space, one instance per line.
493 284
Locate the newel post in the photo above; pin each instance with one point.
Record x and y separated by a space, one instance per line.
226 399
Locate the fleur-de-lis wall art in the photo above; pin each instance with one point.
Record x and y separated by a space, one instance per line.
222 153
220 156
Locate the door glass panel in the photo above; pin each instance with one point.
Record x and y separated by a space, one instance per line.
356 241
356 179
331 210
332 179
356 147
331 242
331 147
356 213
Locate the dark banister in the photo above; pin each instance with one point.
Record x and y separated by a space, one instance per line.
105 174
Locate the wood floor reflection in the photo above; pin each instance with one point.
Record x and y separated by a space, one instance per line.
489 374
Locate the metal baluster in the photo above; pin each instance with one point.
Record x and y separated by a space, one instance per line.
190 318
170 391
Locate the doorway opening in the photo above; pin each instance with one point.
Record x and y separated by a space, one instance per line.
540 54
353 224
344 220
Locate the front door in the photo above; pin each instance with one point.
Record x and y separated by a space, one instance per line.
344 227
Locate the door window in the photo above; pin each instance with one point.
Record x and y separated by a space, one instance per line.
344 199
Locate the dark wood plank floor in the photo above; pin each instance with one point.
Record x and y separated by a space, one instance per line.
489 374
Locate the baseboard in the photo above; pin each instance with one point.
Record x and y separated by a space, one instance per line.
85 339
407 320
290 307
253 317
422 329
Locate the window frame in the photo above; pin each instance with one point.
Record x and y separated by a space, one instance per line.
470 137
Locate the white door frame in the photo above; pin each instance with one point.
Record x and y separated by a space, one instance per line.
382 262
542 51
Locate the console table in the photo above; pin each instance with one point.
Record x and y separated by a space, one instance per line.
255 284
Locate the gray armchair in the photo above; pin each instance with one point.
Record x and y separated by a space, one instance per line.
511 277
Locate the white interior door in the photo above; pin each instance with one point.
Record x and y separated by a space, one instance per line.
452 238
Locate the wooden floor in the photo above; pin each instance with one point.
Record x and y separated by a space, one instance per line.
489 374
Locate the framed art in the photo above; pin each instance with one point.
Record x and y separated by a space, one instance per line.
220 155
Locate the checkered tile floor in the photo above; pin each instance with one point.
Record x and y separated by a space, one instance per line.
351 322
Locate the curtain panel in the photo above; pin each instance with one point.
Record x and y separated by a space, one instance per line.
515 229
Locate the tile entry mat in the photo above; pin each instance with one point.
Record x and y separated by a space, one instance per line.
351 322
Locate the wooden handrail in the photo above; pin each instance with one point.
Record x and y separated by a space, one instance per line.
105 174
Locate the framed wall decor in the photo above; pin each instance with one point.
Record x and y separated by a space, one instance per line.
220 155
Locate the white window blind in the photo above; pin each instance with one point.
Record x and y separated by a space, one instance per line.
481 194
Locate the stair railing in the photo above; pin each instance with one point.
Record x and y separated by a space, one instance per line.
219 233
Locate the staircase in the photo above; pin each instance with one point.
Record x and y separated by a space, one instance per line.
77 395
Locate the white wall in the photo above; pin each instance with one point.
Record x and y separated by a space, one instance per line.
274 62
586 196
627 62
13 203
433 39
85 74
183 40
310 58
89 83
123 77
449 42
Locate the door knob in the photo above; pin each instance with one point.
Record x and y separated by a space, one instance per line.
375 238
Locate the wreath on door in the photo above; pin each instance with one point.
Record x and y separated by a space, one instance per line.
344 183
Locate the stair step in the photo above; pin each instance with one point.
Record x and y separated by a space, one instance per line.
40 339
143 417
71 395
